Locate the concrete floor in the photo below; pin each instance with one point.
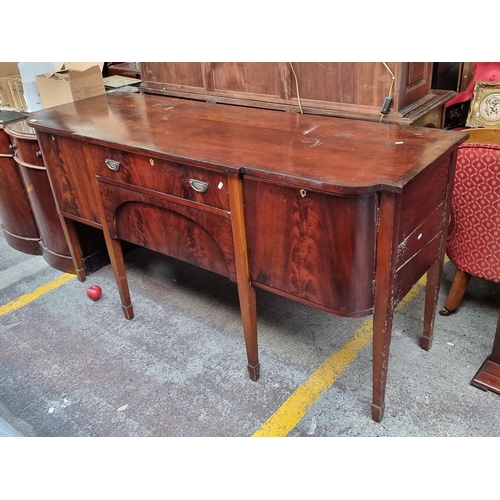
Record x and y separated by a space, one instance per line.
73 367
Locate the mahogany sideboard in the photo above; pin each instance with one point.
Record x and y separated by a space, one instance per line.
343 215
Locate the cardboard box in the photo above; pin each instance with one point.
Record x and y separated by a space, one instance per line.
80 66
69 85
29 89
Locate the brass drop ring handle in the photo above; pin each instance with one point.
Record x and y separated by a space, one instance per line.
198 186
112 164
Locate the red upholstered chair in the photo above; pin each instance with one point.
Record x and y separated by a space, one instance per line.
474 241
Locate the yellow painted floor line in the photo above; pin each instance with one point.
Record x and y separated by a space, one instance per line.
35 294
291 412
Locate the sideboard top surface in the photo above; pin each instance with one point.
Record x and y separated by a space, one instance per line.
331 154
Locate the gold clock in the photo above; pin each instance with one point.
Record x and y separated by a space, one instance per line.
485 105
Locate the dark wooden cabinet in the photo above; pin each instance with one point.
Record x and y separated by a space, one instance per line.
345 89
18 222
29 159
52 240
343 215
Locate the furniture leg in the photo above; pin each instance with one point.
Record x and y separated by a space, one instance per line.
246 291
115 252
383 312
488 376
118 265
382 332
248 308
435 272
431 299
456 293
495 352
75 249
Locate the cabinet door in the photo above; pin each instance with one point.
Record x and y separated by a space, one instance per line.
313 246
72 177
16 217
260 81
414 83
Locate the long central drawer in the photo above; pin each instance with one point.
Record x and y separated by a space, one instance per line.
209 187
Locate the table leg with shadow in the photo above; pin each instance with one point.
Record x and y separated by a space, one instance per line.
488 376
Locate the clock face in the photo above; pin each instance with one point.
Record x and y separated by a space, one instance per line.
490 107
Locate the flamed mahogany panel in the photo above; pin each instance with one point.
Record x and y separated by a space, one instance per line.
317 247
72 178
188 234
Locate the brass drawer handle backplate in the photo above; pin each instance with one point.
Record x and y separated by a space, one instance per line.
198 186
112 164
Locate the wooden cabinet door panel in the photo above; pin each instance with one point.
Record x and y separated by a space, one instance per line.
252 79
311 245
16 216
194 236
414 82
184 75
71 176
